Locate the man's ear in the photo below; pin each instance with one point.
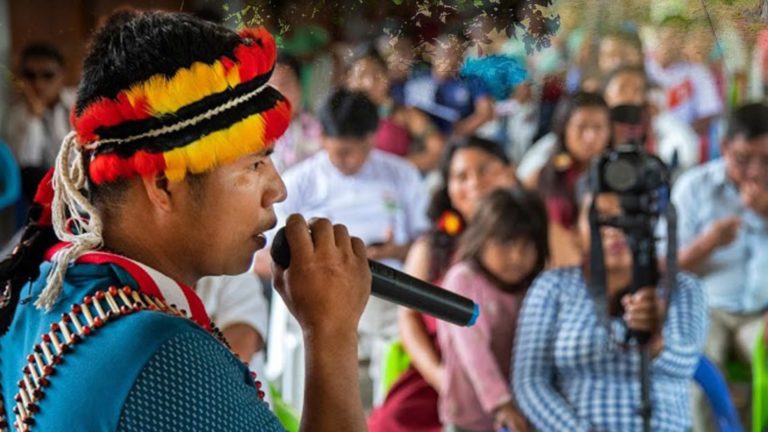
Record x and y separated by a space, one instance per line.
160 191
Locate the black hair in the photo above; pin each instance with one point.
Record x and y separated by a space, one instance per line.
42 50
443 244
208 13
568 106
289 61
128 48
748 121
348 114
507 215
133 46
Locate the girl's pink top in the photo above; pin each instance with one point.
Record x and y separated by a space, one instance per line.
477 359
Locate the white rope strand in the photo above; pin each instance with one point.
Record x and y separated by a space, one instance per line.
75 219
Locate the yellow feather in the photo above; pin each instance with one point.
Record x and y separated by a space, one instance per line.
218 148
233 77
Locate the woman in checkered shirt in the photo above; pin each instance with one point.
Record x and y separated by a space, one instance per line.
572 373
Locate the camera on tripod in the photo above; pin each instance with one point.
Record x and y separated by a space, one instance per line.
642 183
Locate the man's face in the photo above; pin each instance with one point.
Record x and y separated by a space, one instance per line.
348 154
625 89
746 161
45 77
400 60
225 216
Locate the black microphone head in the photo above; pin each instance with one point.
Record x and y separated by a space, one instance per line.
281 250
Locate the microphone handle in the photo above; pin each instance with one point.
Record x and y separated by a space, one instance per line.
400 288
405 290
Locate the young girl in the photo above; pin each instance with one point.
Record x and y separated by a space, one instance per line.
500 254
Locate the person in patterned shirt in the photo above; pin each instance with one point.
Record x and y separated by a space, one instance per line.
571 372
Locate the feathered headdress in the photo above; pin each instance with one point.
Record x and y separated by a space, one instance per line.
202 116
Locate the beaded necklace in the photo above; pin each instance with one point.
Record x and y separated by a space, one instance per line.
92 314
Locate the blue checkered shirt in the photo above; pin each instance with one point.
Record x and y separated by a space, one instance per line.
573 374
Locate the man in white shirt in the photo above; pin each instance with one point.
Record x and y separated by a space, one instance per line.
691 92
379 197
37 124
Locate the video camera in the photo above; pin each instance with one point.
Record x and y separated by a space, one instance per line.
642 183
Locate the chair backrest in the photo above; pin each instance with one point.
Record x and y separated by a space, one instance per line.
713 384
288 417
760 385
396 362
10 177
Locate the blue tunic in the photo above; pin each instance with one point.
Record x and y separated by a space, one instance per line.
148 371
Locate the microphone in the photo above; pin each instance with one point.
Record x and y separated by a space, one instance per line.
400 288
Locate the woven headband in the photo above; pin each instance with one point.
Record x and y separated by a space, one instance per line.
202 116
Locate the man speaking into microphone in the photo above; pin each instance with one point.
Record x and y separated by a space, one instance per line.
379 198
166 179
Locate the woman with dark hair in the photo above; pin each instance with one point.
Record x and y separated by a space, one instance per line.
574 367
500 254
167 178
471 169
404 131
582 125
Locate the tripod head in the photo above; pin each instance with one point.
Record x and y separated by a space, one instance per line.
642 183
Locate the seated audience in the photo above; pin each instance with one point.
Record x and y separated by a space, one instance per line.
457 106
404 131
302 139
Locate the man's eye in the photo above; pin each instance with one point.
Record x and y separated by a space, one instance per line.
258 164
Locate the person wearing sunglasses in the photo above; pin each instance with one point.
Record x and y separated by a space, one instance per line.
39 120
